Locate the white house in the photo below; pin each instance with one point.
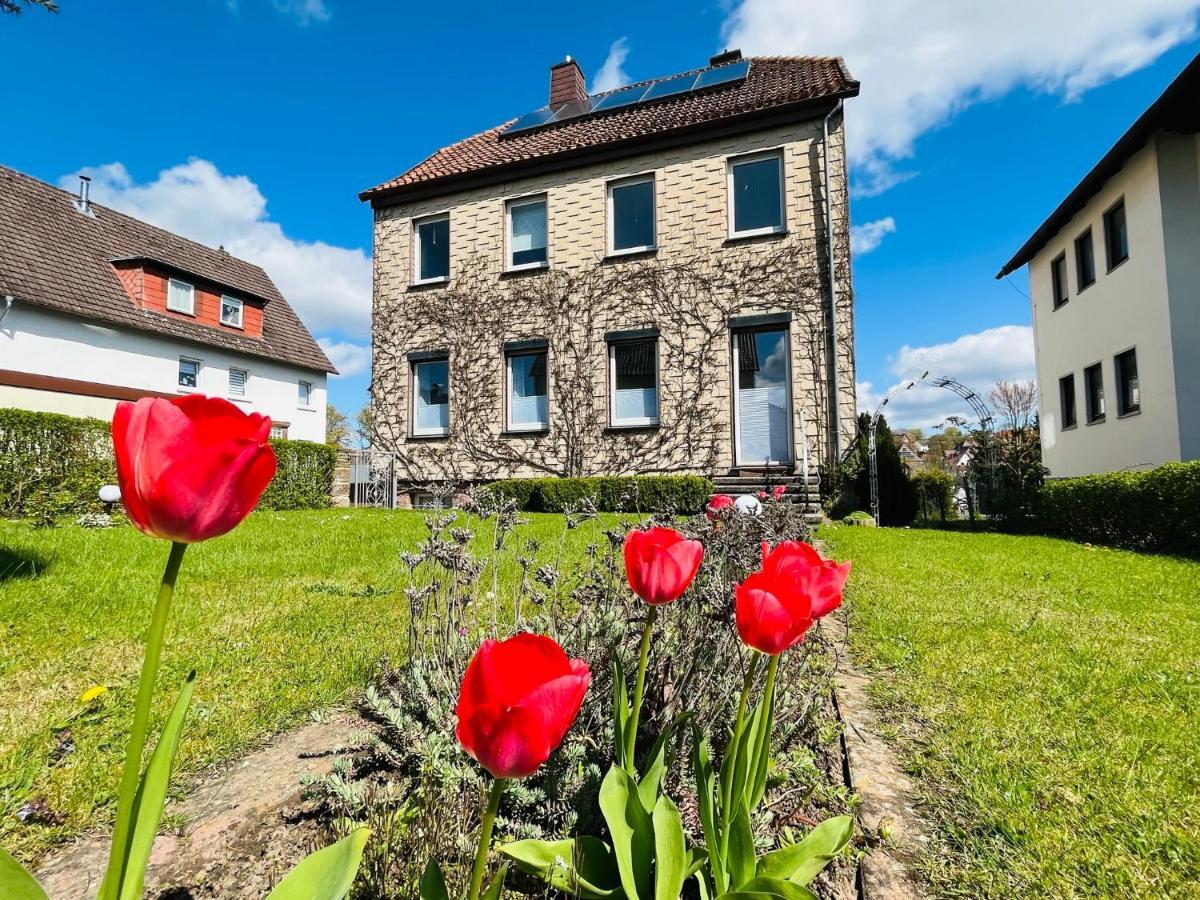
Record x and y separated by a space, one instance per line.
1114 275
97 307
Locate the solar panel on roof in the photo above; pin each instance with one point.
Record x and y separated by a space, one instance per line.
722 75
532 119
668 86
573 109
623 97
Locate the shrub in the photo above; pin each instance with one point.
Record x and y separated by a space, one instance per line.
679 494
935 493
52 465
850 483
1157 510
303 478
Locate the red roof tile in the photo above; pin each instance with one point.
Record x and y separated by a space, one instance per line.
771 83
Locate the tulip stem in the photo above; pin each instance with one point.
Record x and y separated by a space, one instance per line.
639 688
485 838
131 774
739 724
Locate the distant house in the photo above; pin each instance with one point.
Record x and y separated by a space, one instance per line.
1114 275
650 279
97 307
911 450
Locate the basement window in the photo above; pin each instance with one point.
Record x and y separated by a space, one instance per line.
181 297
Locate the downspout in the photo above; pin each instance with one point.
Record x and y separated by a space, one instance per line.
836 426
8 302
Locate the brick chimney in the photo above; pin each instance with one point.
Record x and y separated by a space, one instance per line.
566 83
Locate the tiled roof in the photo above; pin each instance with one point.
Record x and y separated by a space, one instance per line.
54 256
771 83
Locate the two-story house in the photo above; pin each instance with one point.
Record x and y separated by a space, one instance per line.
652 279
98 307
1114 277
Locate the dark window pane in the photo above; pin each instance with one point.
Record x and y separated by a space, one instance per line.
528 238
633 215
756 200
1085 259
1058 275
762 359
1129 397
528 403
1093 383
1116 236
434 239
1066 392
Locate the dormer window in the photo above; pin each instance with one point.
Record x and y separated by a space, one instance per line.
231 312
181 297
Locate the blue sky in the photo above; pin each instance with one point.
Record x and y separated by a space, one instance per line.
254 123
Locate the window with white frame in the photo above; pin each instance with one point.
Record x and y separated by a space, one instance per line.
633 382
279 431
189 372
756 195
528 390
181 297
238 379
526 224
431 398
231 311
431 250
631 215
304 393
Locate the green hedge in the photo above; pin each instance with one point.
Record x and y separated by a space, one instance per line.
303 476
52 465
682 494
1157 510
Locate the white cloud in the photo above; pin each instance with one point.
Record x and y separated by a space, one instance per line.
329 286
347 357
305 12
922 62
976 360
866 237
612 73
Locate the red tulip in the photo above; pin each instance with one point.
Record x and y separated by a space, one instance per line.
717 505
775 606
660 564
190 468
779 491
762 495
518 698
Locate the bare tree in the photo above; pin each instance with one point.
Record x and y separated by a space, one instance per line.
16 7
1017 403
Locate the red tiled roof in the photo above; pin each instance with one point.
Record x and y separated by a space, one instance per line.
772 83
54 256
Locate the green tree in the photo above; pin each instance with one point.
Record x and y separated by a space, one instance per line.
337 427
897 496
16 7
364 426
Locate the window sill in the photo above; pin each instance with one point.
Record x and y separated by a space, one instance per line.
615 256
1116 266
306 408
524 271
1099 421
238 399
429 283
1130 414
1074 427
182 312
525 432
1079 291
234 327
626 429
429 437
1057 306
756 237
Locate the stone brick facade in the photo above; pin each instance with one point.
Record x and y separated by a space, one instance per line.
694 288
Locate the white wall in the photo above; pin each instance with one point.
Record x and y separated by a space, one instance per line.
39 342
1125 308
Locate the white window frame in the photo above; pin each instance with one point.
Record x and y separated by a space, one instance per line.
416 263
309 403
417 431
612 219
190 310
509 206
509 425
241 307
278 426
732 163
183 388
644 422
245 383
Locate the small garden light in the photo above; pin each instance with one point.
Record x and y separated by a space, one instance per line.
109 494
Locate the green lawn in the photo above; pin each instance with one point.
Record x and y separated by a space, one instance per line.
1047 696
286 615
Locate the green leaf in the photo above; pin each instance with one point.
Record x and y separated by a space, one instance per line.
497 885
326 874
741 846
746 895
702 887
776 887
759 750
433 883
670 850
650 784
800 863
16 883
702 771
631 830
152 795
583 867
621 711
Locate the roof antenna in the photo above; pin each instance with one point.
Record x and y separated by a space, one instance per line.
83 203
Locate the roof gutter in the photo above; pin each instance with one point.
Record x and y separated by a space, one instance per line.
835 428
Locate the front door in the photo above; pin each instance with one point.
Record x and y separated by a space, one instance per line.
762 403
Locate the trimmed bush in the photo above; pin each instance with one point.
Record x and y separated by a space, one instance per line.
303 477
52 465
681 494
935 493
1157 510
